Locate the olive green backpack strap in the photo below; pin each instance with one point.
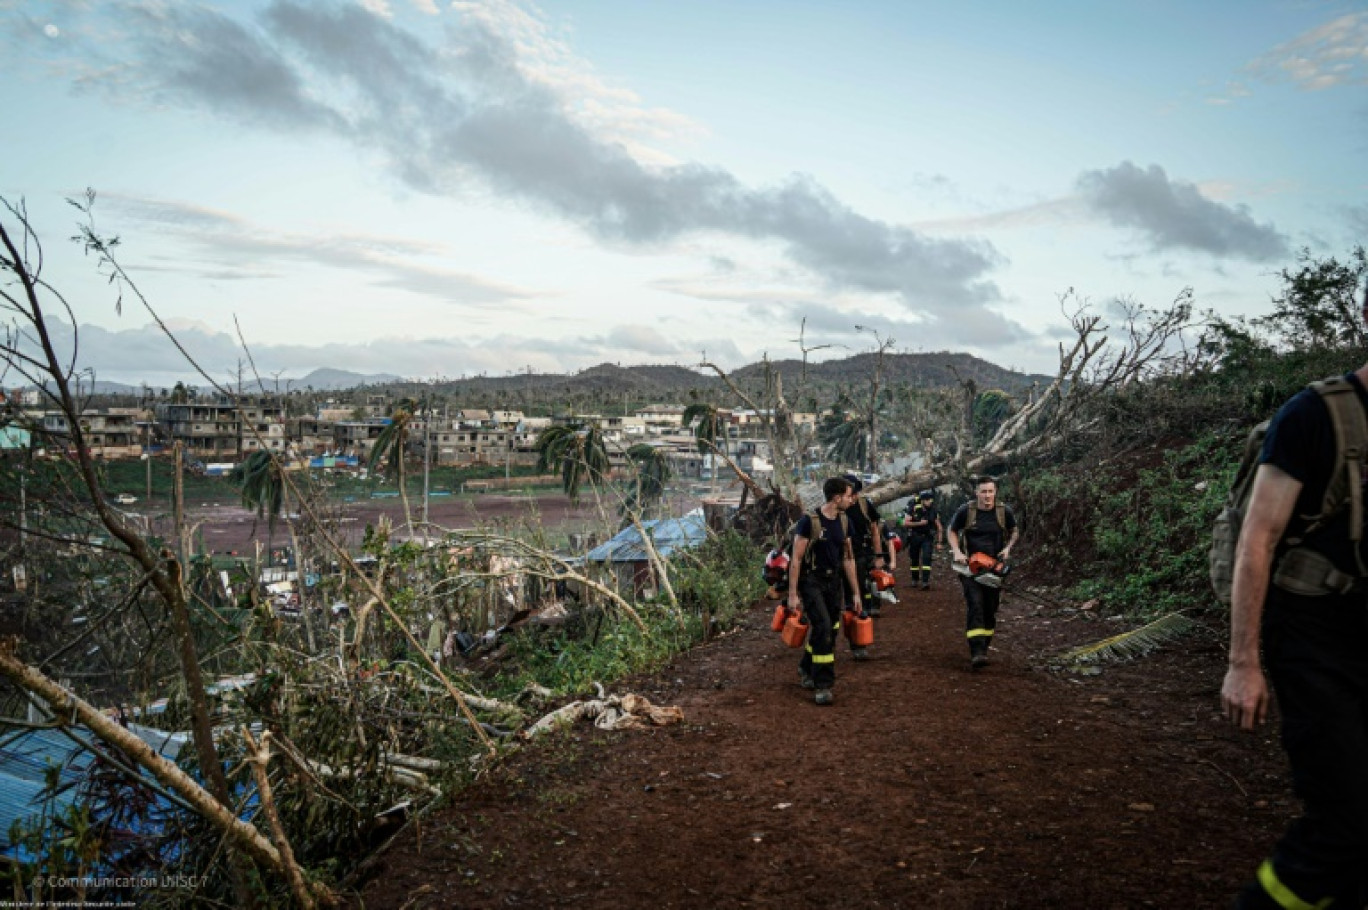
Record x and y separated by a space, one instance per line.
1351 447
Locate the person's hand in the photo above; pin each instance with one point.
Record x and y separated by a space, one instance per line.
1244 696
1006 551
957 556
795 603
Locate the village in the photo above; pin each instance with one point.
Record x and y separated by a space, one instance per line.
216 432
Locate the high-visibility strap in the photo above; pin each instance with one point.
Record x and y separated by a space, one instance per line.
979 633
824 658
1283 894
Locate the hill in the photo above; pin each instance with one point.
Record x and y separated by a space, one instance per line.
662 383
326 378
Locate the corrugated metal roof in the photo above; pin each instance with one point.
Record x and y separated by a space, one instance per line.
26 757
669 535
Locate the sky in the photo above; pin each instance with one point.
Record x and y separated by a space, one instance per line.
439 189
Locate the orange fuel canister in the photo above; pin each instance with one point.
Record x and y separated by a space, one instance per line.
847 622
859 629
777 620
795 630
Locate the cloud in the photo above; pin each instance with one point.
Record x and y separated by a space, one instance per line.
1330 55
224 242
1358 220
1174 215
643 339
503 104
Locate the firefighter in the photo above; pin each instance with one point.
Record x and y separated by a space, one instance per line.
922 527
867 540
1313 645
982 525
821 567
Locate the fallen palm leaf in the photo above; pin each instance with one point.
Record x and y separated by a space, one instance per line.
1135 643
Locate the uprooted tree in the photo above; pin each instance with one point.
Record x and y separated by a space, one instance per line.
962 433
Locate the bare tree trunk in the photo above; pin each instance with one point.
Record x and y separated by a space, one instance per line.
64 704
259 756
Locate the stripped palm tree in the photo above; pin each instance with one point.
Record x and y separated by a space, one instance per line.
579 453
390 445
261 484
709 427
652 472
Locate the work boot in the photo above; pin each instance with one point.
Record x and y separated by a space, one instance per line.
805 680
926 586
873 611
823 697
859 653
978 661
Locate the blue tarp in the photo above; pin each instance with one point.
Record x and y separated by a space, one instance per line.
669 535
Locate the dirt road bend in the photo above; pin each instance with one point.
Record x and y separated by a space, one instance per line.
924 785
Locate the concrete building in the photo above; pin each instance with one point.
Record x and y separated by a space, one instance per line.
220 429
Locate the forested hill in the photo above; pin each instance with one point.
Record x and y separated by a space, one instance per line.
608 383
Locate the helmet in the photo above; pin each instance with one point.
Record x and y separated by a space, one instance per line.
776 566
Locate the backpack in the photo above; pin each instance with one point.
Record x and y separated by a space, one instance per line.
1301 569
999 511
810 555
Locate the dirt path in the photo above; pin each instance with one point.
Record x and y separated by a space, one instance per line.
925 785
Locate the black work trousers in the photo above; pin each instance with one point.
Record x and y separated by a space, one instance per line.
1316 655
864 561
823 599
920 549
980 615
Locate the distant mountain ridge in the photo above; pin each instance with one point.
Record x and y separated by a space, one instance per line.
671 383
678 384
328 378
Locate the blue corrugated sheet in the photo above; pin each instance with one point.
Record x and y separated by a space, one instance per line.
26 756
669 535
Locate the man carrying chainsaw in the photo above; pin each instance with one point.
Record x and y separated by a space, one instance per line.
981 535
1301 576
867 540
822 564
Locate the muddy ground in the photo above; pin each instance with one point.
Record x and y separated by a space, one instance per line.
925 785
227 527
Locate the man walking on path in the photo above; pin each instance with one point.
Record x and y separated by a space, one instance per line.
982 525
1314 644
823 563
866 539
922 526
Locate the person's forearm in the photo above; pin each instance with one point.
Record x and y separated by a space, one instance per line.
1247 592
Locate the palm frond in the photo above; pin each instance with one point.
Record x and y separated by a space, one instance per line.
260 484
579 453
1135 643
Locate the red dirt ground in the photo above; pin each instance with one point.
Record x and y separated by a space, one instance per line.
229 527
925 785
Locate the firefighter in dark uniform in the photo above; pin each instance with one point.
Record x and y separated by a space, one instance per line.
867 540
1313 646
993 531
821 571
922 527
